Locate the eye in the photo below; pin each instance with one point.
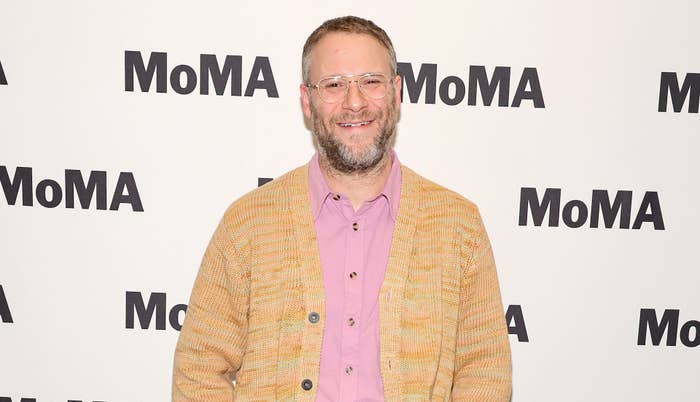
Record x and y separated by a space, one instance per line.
332 84
372 81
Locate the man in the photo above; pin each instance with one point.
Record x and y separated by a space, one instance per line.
350 278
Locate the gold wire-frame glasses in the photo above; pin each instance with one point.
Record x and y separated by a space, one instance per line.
334 89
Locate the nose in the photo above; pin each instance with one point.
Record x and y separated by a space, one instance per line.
354 100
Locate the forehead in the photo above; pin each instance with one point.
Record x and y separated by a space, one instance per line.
340 53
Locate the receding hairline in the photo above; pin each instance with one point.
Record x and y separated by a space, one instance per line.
351 25
358 34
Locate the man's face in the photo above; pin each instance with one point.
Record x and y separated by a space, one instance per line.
349 146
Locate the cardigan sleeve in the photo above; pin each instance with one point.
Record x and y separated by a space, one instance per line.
482 361
213 337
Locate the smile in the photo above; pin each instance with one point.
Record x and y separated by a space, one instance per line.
354 124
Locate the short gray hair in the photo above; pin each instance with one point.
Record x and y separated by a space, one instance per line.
347 24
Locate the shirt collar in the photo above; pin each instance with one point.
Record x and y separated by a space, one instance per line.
319 190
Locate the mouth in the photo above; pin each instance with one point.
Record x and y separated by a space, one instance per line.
355 123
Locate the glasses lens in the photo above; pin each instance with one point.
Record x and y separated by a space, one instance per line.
332 89
374 86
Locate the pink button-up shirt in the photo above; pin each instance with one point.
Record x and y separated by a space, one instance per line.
354 249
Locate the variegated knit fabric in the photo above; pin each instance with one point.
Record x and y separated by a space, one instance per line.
442 329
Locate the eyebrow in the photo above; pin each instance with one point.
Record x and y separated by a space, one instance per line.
353 75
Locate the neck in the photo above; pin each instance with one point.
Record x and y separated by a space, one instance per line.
358 187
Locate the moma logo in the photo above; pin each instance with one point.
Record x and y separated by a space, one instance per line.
138 308
183 78
453 89
668 326
516 322
50 193
156 306
689 90
5 314
25 399
576 213
3 79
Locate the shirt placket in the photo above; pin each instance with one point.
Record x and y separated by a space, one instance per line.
352 308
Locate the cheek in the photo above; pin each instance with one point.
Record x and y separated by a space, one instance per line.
388 108
323 117
323 111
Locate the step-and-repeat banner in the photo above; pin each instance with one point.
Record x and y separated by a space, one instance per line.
128 127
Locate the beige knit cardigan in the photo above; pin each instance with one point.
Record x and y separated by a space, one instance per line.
442 330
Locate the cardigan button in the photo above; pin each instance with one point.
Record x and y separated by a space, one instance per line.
314 317
306 384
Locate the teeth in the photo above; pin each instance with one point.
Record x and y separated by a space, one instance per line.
362 123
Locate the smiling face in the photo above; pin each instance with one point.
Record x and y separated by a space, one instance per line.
354 134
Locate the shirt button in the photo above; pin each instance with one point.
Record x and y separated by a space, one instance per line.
314 317
306 384
355 226
348 370
336 197
353 275
351 321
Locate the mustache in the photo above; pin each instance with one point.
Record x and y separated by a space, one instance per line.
365 115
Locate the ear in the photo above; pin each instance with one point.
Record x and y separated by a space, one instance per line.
305 100
397 91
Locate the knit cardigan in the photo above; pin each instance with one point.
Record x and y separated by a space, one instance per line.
249 334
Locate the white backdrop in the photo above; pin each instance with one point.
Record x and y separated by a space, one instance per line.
65 272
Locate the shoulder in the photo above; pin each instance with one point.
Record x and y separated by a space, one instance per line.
434 197
441 207
449 211
265 204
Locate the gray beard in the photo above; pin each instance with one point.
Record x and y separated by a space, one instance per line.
342 158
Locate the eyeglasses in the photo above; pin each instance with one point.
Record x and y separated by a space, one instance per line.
335 89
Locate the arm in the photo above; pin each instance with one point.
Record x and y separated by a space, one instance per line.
482 361
213 337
